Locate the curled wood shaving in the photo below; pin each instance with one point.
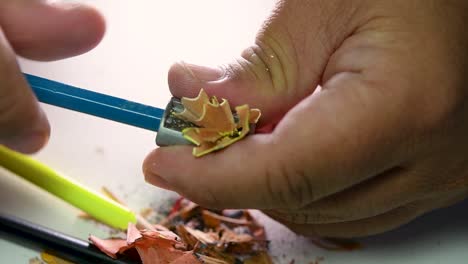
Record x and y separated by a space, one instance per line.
216 126
153 246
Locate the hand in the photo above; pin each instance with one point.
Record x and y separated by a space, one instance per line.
384 139
37 30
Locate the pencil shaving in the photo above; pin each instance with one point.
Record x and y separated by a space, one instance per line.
216 126
193 234
152 246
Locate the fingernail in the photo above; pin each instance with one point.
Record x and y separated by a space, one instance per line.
150 169
33 139
203 73
156 180
27 144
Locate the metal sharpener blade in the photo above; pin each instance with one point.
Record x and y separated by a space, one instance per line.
170 129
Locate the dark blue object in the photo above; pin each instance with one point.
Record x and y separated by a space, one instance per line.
37 237
96 104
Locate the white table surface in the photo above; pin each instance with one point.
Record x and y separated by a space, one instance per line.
144 38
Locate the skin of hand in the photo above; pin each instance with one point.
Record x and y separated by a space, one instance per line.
37 30
367 100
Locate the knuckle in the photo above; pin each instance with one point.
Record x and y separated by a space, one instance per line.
272 59
438 113
320 217
297 218
317 215
288 187
305 230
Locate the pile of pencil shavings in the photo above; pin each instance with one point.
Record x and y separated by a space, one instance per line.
216 125
192 234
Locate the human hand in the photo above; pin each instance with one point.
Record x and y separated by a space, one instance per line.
382 142
37 30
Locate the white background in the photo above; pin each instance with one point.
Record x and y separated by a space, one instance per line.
144 38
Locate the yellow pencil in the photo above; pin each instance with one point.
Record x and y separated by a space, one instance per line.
96 205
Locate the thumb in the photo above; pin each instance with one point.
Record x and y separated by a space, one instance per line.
276 72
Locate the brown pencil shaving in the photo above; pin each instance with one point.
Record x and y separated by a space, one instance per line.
216 127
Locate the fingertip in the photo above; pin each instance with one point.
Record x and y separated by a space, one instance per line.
161 162
93 28
31 136
149 163
29 144
43 31
157 181
186 79
83 29
181 81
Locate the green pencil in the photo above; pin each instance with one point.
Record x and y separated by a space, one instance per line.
93 203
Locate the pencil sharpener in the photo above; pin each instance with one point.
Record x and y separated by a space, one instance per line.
171 126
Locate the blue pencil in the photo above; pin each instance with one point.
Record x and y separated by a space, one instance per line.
96 104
